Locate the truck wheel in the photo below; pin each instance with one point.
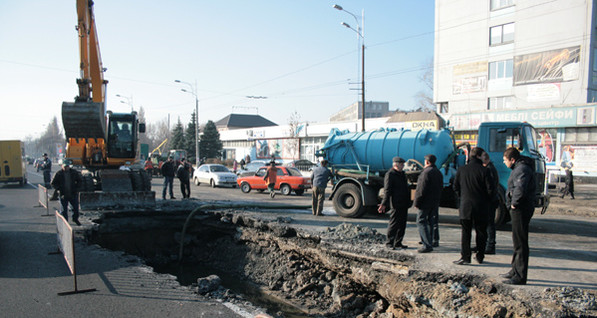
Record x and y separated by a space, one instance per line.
245 187
347 201
285 189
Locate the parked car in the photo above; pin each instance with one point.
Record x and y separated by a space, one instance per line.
288 180
302 164
215 175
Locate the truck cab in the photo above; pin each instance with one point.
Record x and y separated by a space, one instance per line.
495 138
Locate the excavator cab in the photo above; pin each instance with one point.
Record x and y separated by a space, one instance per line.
122 137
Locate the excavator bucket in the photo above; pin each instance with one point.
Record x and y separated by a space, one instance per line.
121 189
83 120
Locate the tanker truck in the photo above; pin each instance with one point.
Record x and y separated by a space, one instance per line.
360 160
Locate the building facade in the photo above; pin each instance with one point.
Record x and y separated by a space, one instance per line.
521 60
354 112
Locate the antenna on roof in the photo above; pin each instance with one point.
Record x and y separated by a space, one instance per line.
246 108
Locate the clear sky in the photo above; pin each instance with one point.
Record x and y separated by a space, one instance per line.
294 52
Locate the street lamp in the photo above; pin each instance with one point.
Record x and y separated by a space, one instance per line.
129 100
360 36
193 92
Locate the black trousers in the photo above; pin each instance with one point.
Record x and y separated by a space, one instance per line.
520 241
397 225
185 188
480 225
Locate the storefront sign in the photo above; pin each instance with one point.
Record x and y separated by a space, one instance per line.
541 117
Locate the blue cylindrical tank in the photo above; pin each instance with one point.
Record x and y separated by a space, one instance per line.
377 148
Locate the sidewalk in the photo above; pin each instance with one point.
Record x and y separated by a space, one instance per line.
31 278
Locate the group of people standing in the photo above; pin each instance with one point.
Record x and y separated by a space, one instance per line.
169 170
476 185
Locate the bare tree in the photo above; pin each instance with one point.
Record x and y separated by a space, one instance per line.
424 98
294 121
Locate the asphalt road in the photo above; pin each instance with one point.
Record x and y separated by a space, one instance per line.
31 278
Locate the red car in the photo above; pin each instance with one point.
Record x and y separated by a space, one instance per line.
288 180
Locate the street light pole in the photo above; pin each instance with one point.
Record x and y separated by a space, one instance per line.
193 92
129 100
359 32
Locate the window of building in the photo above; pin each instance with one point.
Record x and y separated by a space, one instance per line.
501 102
443 107
501 34
499 4
500 69
580 135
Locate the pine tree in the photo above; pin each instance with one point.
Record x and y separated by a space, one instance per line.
178 136
190 139
210 145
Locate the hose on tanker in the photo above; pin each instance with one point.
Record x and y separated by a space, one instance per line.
227 206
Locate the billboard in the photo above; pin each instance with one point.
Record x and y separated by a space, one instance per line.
547 67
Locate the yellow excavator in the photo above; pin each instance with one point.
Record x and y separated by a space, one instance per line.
103 142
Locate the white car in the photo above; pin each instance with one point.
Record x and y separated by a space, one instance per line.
214 174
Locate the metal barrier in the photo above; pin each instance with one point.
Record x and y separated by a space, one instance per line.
66 244
43 199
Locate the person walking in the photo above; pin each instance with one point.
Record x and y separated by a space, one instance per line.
397 199
473 185
319 180
494 202
46 167
569 184
270 178
67 182
520 198
427 197
168 173
183 172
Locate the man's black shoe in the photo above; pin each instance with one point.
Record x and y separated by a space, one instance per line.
77 222
490 251
401 246
514 281
172 198
435 244
507 275
462 262
424 250
479 258
388 245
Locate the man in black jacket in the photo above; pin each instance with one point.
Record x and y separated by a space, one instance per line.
473 185
397 197
427 197
183 172
520 198
168 169
67 181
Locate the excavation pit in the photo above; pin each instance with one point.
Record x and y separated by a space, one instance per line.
342 272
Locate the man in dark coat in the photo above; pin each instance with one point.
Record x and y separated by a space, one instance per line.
493 203
183 172
520 198
569 184
46 167
168 170
68 181
473 185
427 197
397 198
